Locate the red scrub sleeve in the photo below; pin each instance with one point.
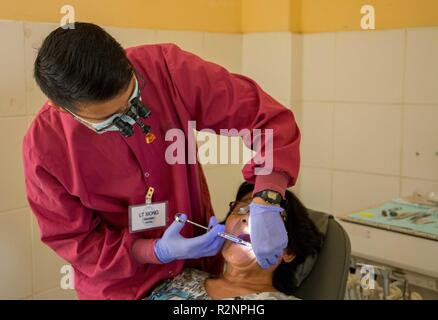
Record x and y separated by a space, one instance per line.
218 99
143 250
75 232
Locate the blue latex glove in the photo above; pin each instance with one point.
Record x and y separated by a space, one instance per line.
268 233
173 246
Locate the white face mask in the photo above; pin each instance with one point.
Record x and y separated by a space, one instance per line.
107 122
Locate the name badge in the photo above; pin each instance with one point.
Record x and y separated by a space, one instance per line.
147 216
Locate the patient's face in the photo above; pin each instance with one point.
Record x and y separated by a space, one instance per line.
237 225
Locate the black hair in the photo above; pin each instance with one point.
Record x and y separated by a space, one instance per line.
81 65
304 238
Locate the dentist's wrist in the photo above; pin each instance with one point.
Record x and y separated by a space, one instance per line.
276 181
161 253
143 251
259 200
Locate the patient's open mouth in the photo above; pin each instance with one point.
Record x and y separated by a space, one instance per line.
245 237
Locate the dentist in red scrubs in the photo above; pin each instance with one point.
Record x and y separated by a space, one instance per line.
97 178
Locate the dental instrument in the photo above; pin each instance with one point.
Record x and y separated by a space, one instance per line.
220 234
234 239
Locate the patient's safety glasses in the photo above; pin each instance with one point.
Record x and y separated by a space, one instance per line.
242 207
239 207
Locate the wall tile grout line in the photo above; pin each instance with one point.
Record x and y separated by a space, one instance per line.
353 171
4 212
26 89
368 173
32 253
15 117
403 111
370 103
333 119
332 158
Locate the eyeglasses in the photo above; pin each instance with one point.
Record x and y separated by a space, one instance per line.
133 101
135 110
239 207
242 208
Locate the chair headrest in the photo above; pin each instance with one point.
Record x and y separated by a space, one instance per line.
303 270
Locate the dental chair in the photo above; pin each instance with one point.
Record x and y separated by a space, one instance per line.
328 275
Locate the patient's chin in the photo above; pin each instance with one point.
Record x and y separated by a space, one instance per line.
237 254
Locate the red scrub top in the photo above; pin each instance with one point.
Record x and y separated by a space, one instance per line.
79 184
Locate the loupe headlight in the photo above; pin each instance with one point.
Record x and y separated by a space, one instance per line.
141 110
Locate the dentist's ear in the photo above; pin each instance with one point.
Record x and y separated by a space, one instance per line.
54 105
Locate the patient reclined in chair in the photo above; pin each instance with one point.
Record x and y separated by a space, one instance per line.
242 277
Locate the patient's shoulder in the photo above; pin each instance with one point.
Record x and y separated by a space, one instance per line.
266 296
189 285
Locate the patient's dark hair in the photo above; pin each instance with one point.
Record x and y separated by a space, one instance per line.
304 239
